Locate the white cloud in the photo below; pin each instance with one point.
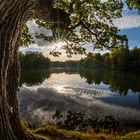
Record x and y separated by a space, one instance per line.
34 28
128 22
130 18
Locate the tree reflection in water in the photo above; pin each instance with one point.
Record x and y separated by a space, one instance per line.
38 103
118 81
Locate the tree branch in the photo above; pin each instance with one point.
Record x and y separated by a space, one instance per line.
82 24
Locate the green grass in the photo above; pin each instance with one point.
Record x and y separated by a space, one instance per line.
25 126
52 132
56 133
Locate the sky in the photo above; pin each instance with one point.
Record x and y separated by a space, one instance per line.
129 24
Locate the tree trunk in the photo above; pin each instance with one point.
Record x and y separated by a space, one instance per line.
13 14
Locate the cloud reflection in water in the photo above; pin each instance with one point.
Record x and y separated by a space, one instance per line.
38 103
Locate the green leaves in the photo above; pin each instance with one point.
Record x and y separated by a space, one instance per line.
96 18
81 21
133 4
26 38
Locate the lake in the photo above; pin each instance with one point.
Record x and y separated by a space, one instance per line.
96 93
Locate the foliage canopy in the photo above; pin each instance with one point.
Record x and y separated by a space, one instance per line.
133 4
79 22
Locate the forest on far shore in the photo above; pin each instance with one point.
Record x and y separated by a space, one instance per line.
118 59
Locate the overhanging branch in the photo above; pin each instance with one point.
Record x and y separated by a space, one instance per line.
81 23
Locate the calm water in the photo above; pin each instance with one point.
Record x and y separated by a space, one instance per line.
95 93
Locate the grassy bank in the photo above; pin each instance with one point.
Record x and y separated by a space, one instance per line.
52 132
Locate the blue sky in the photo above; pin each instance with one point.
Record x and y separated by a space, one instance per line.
129 24
133 35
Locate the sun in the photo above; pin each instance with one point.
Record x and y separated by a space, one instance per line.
59 88
59 44
50 48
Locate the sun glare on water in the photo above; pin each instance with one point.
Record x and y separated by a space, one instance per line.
59 88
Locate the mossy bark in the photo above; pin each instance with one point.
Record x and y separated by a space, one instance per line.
13 14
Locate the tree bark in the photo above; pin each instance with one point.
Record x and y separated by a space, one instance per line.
13 14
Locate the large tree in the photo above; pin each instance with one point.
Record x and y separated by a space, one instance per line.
93 18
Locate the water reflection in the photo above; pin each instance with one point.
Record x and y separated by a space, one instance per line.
94 93
118 81
115 81
35 77
38 104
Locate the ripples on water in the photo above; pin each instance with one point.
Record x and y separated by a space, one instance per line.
63 92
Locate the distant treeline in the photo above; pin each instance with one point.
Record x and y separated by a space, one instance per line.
67 64
118 59
34 60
